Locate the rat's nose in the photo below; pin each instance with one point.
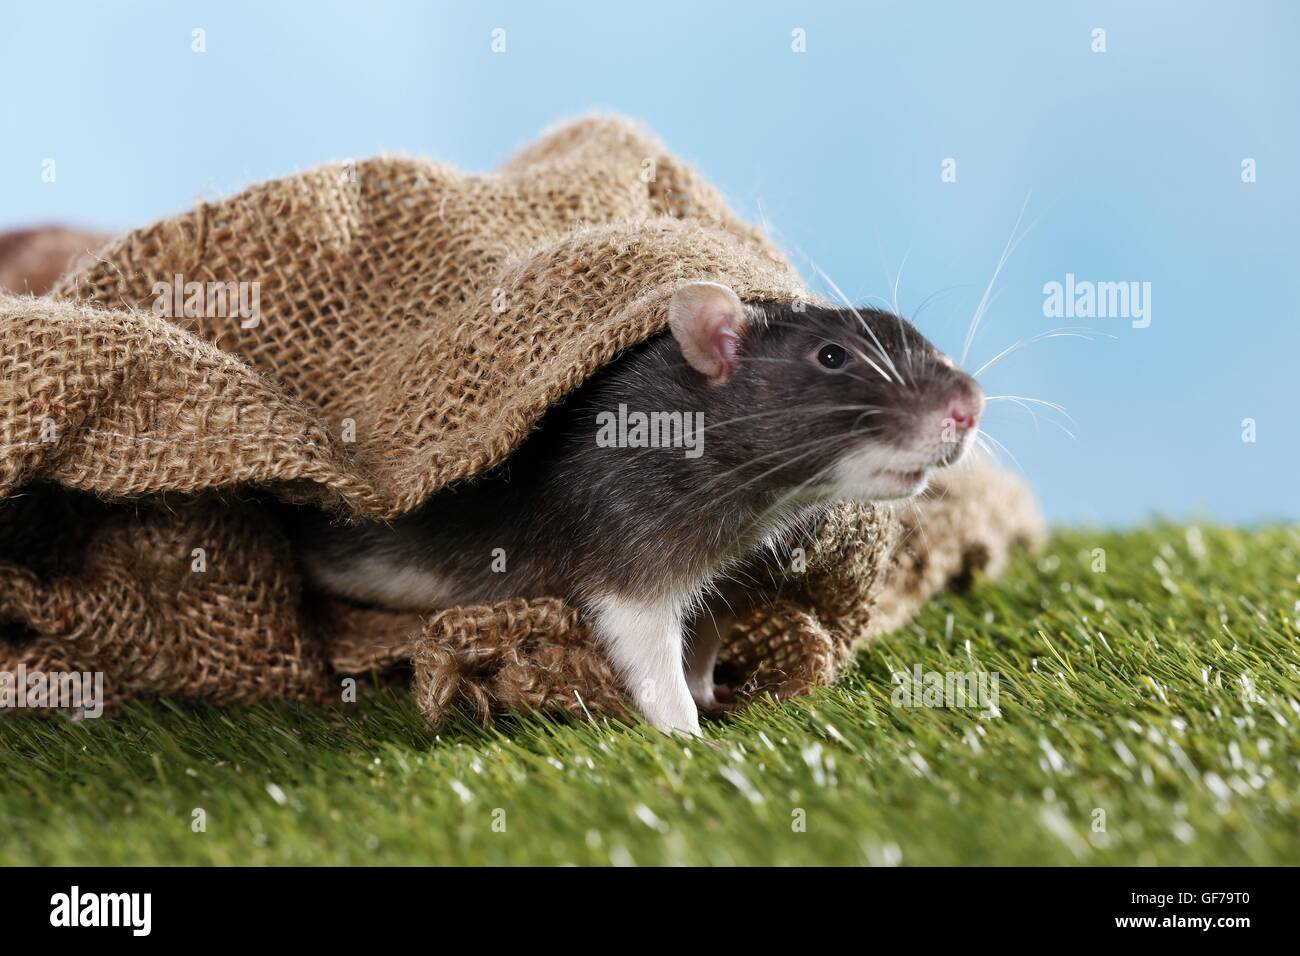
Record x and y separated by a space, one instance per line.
964 413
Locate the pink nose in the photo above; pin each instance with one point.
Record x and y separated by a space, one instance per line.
964 414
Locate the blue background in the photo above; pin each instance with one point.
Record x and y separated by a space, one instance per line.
1129 161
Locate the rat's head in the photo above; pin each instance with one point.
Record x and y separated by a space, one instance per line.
840 403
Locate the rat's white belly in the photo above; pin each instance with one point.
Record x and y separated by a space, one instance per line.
378 580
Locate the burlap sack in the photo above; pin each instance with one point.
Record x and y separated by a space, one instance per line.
413 322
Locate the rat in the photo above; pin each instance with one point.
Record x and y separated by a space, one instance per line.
640 495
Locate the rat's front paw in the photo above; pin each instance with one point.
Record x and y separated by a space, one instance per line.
679 717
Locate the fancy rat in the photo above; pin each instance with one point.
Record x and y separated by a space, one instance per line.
638 495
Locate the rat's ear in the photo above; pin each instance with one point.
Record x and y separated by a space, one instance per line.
706 320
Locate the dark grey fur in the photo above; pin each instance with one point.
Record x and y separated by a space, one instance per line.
575 519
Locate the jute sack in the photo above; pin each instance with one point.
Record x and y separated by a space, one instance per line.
360 336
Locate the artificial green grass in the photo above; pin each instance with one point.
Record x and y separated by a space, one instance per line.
1164 691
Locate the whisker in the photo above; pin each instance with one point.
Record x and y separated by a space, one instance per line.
920 524
1023 403
817 446
1007 250
898 278
815 442
851 307
1061 333
984 433
789 361
1023 399
898 313
858 315
801 410
794 492
930 298
862 355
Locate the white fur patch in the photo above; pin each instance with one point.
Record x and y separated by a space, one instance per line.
875 473
644 642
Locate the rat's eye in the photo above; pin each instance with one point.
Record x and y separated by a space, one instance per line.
832 356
